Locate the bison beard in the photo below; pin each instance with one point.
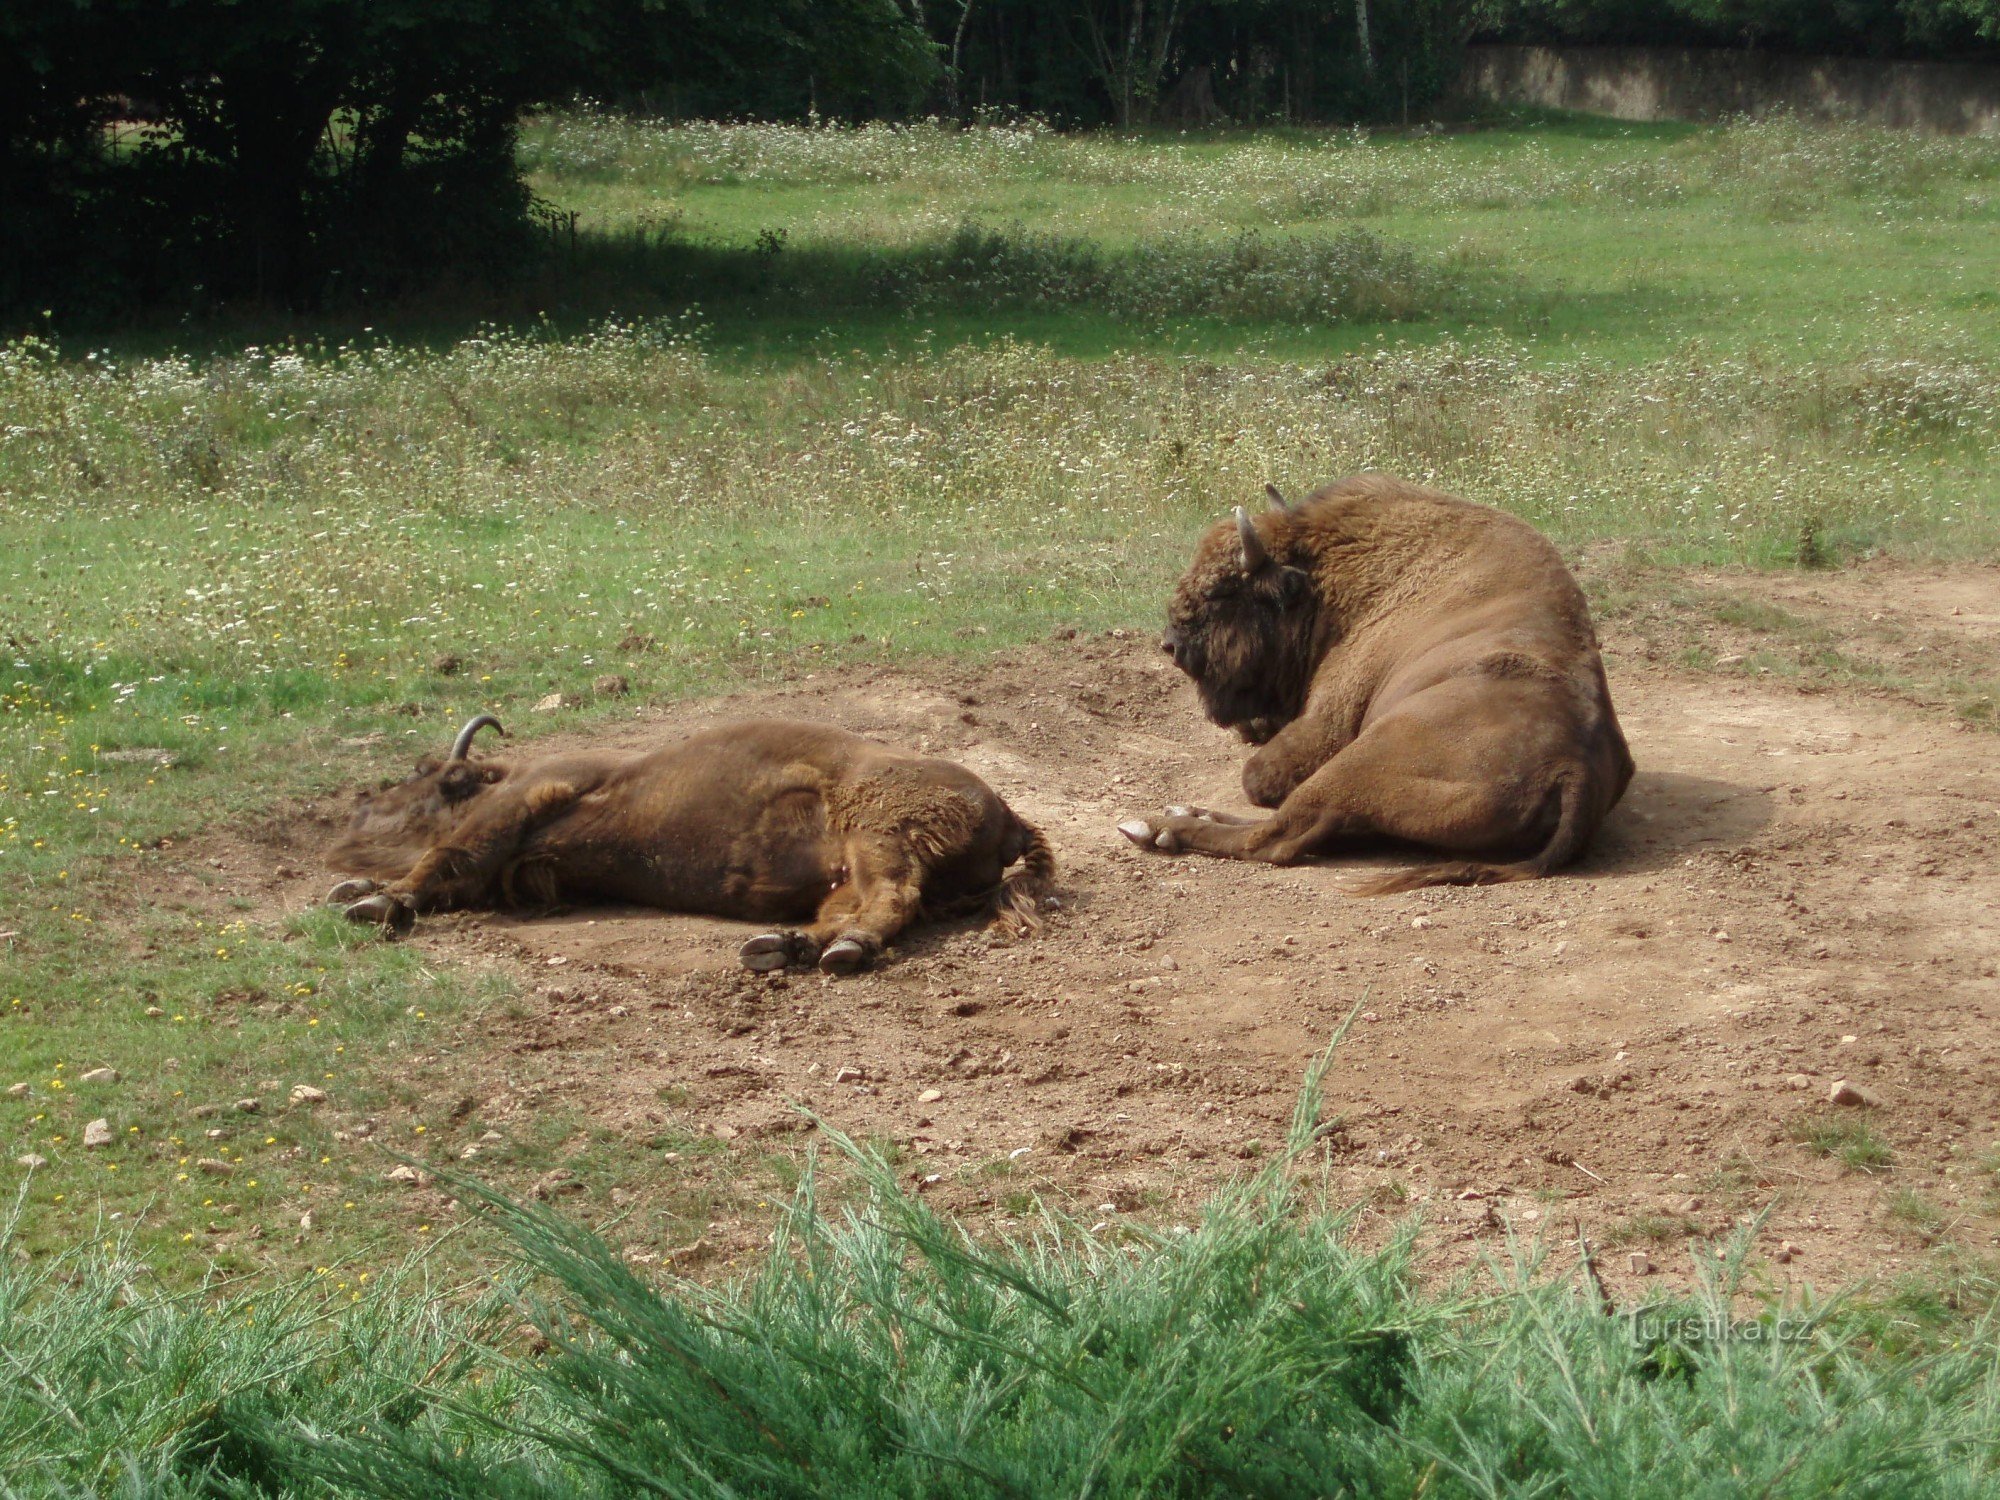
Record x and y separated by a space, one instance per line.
1411 666
770 821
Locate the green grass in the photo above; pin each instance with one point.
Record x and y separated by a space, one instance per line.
1853 1142
1810 241
881 1351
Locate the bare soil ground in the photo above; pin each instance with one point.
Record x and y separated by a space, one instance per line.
1800 888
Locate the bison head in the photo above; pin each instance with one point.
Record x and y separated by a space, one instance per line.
393 826
1242 624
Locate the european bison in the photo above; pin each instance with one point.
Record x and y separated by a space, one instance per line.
770 821
1411 666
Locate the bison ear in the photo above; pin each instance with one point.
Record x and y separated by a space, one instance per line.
1254 555
1278 500
1293 583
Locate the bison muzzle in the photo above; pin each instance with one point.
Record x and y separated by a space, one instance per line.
768 821
1410 666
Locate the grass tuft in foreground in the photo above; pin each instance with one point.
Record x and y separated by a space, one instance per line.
883 1351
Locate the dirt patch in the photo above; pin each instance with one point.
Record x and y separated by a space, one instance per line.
1799 889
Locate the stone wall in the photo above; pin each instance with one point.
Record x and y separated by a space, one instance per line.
1661 83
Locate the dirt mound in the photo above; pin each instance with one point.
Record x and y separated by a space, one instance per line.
1797 891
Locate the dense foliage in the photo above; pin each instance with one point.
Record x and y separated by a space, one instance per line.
292 148
1192 62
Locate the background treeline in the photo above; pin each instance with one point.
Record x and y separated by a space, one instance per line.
290 151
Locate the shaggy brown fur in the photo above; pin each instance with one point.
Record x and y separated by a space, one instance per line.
769 820
1411 666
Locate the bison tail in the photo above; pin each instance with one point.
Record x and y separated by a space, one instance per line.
1572 831
1018 906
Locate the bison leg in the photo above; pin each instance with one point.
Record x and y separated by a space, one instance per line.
1288 761
463 872
1207 814
1446 769
883 893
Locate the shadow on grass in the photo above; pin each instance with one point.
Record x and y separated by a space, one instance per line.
1185 293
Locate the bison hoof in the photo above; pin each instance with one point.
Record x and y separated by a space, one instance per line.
394 917
777 950
1142 833
350 890
843 956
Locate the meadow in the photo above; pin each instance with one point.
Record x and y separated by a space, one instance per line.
783 399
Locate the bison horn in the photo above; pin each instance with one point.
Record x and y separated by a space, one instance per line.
1278 500
463 744
1254 555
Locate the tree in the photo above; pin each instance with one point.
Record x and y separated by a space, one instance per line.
295 138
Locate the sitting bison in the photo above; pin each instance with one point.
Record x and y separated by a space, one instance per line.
768 821
1410 666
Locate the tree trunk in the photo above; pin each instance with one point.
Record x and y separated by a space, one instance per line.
1361 34
954 83
276 119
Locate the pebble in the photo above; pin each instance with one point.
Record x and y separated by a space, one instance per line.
468 1153
155 1011
612 685
556 703
249 1106
847 1075
1420 923
32 1161
1168 962
1640 1262
1786 1250
306 1221
16 1090
491 1137
1797 1081
97 1133
1844 1092
214 1167
305 1093
930 1096
99 1075
401 1174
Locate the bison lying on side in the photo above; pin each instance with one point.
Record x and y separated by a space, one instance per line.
770 821
1410 665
